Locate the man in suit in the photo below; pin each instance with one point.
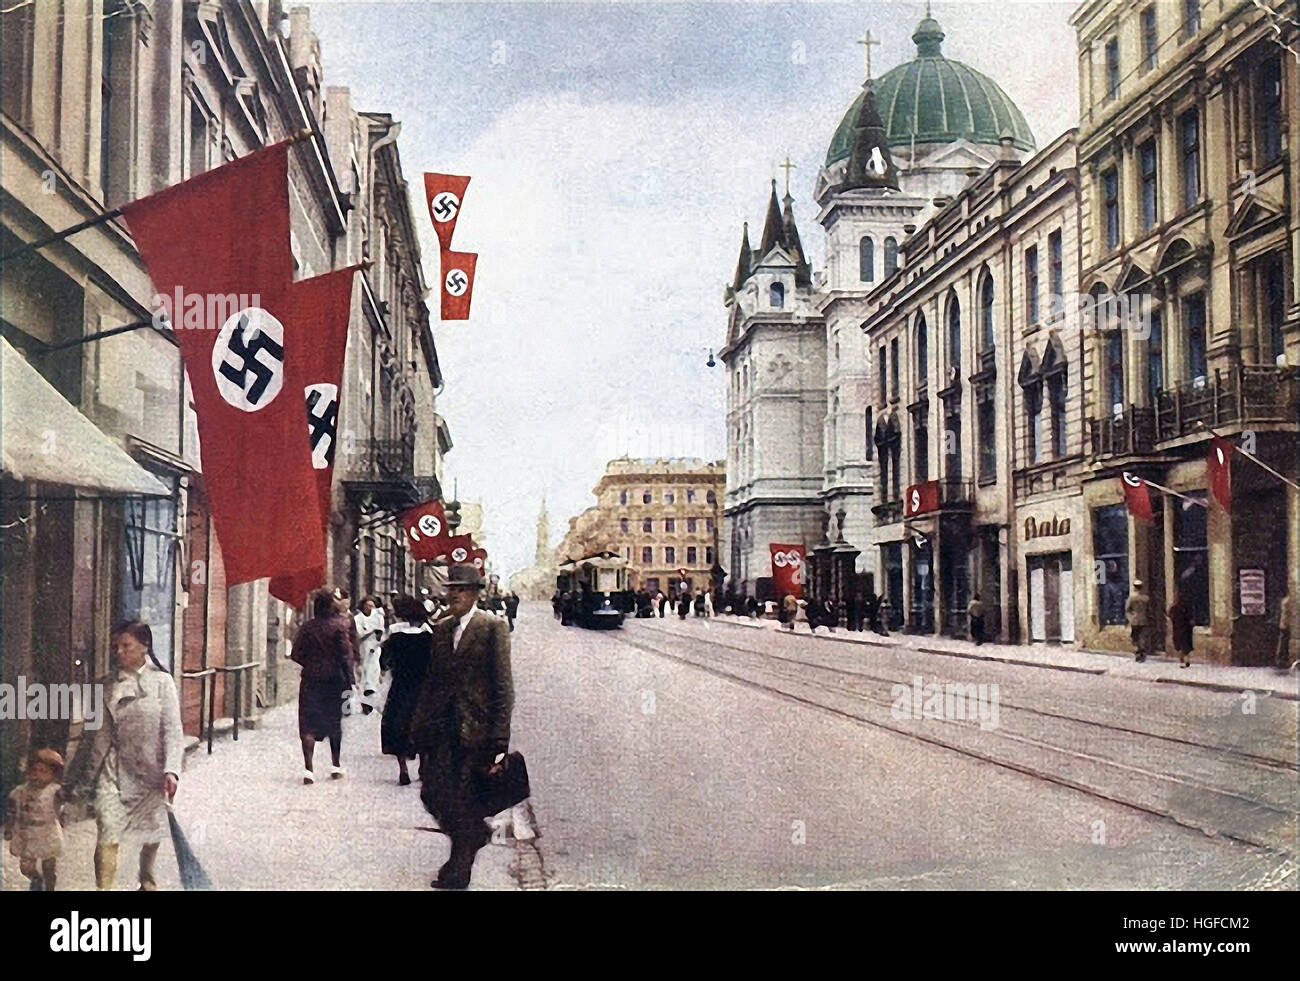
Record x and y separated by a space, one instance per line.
461 722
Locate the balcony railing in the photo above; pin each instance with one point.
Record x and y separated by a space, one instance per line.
382 459
956 494
1243 394
888 512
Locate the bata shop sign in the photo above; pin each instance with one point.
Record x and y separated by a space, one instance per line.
1048 528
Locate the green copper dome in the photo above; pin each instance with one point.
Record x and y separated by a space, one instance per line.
936 100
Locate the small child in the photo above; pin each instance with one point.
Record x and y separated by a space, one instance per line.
32 822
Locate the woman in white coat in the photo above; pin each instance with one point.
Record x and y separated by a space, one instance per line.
134 761
370 634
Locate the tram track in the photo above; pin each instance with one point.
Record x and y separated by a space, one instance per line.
1265 821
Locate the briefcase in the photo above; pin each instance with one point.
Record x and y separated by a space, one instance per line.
501 791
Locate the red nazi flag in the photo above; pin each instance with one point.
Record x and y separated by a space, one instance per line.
457 283
323 305
225 235
1220 472
444 194
1137 496
479 559
459 550
426 530
788 564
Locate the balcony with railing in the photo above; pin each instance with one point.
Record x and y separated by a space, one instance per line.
888 512
383 470
1241 395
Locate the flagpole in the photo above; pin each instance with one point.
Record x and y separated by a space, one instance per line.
1251 457
1165 490
107 216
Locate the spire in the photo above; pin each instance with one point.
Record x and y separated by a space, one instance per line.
793 245
742 264
870 164
928 37
542 554
773 227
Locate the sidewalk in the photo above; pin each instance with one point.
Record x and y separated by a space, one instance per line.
255 825
1162 670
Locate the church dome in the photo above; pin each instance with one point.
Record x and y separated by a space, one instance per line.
934 99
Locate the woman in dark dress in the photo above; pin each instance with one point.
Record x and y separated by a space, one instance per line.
1180 627
406 655
324 649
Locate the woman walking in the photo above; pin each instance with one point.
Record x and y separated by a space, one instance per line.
975 619
1180 629
369 624
323 648
133 763
406 655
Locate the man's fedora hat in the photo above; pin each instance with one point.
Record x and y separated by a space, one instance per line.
464 577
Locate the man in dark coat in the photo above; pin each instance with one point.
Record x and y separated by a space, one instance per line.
461 722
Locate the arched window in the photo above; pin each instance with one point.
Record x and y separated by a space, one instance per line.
922 352
954 337
776 295
891 256
867 259
986 312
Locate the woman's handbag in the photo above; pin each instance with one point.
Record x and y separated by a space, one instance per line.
505 788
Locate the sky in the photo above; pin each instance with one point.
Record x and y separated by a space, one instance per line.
615 150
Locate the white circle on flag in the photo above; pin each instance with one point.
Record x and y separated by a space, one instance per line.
779 560
1131 480
456 282
478 563
444 207
459 554
248 359
429 525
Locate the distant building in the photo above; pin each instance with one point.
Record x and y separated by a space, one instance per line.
661 515
538 581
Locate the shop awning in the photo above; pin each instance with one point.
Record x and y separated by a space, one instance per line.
44 438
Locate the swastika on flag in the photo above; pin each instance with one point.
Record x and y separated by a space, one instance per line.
444 206
456 282
248 359
322 423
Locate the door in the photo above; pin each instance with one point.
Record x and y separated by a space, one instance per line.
894 583
1037 599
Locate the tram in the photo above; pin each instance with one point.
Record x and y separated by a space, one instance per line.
594 591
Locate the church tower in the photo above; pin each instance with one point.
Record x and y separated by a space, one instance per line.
542 556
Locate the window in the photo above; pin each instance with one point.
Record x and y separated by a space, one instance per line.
895 468
669 498
985 420
1155 355
1056 275
986 313
883 364
891 256
867 259
1150 41
647 526
1110 207
776 295
954 338
1110 558
893 368
645 497
622 497
691 526
1034 420
105 106
1194 331
16 28
624 525
711 497
670 555
1031 284
708 554
1275 305
952 438
708 525
1191 17
1189 127
870 445
198 156
647 555
692 555
1056 385
920 447
670 526
1147 164
922 353
1115 369
1191 556
1112 68
690 495
1268 100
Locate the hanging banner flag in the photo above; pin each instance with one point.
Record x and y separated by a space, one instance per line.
479 559
324 303
222 239
1220 472
788 563
1137 496
457 284
459 549
426 531
444 193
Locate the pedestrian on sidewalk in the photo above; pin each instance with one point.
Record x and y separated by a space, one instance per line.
1285 614
1180 630
883 616
683 604
1138 611
369 625
661 601
789 611
405 656
324 650
708 603
33 822
133 763
975 619
461 722
511 601
699 603
751 607
871 607
827 616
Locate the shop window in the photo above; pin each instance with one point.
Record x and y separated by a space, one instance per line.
1192 556
1110 563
